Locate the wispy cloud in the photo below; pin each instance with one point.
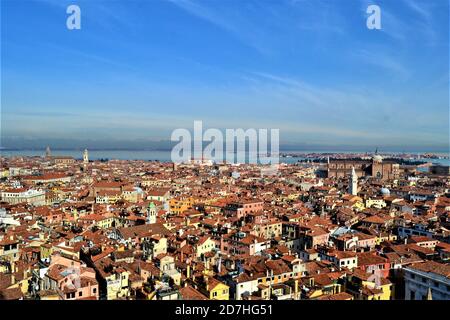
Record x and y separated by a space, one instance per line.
419 8
319 17
335 112
380 58
265 25
87 56
232 25
425 22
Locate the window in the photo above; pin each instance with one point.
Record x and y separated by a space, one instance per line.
80 294
94 290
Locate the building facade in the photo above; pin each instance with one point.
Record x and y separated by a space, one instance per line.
375 167
15 196
426 277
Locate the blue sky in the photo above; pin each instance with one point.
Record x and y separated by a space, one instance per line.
139 69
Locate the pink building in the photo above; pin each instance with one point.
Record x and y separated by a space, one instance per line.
243 208
71 279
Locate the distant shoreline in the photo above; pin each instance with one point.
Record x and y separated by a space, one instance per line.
282 151
284 156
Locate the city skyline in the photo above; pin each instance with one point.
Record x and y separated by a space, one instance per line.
224 158
311 69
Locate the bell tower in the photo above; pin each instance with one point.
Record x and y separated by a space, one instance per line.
353 183
151 213
85 157
48 153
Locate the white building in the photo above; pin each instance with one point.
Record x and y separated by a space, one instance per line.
7 219
21 195
427 276
19 171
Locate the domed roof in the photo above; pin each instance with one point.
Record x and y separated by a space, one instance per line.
377 158
385 191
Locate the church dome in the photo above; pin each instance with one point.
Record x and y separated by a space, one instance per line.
377 158
385 191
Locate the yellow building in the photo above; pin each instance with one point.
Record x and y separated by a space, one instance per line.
46 251
152 182
373 293
4 173
204 245
366 286
179 205
117 285
106 222
358 206
385 237
276 279
108 196
268 230
21 284
98 220
209 199
380 291
354 201
130 194
9 248
217 290
293 196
